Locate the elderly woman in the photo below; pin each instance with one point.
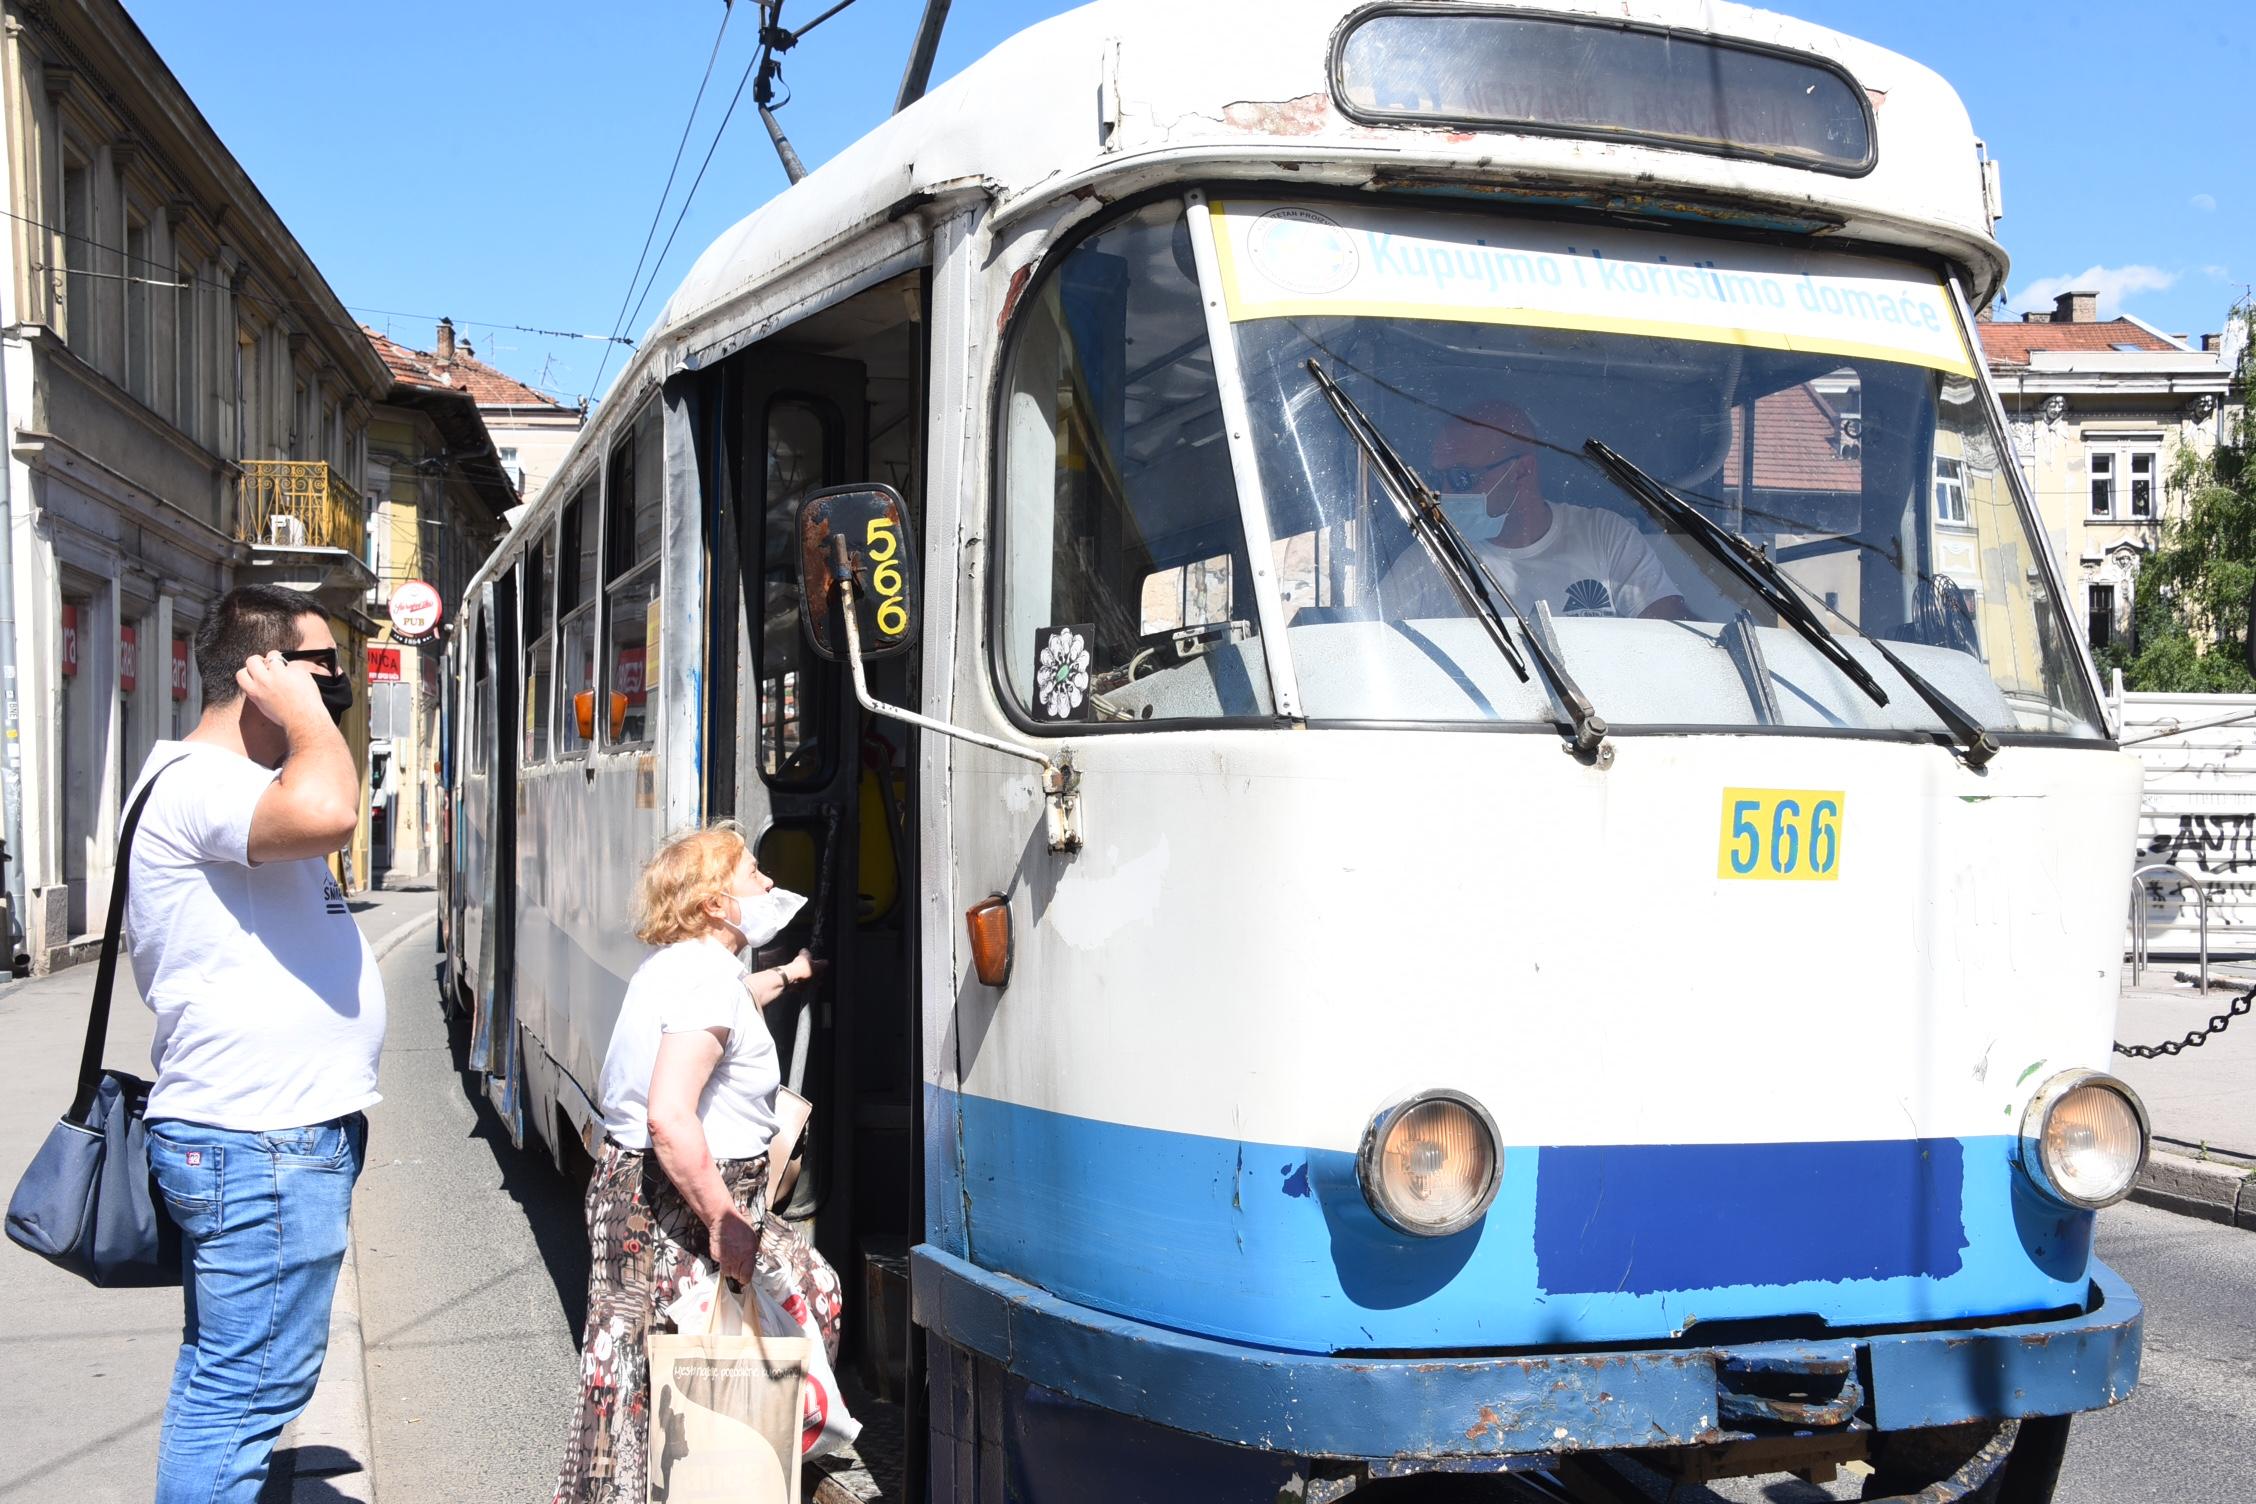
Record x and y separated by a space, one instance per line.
688 1095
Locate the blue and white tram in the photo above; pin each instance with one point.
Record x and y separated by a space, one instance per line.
1303 1015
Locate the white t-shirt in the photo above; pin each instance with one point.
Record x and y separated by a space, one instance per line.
1589 562
270 1010
683 987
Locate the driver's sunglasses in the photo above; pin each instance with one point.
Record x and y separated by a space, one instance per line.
1469 477
325 659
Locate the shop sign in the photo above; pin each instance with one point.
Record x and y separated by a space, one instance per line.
70 641
383 665
180 668
129 657
415 612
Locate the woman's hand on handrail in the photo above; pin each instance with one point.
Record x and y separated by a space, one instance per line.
770 983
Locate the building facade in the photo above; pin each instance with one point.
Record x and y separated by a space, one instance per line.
2099 411
441 492
186 409
531 431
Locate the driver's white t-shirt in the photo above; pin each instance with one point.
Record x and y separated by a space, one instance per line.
1587 563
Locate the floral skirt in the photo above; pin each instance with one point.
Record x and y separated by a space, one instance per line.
644 1246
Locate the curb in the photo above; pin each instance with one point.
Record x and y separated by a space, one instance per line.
2211 1190
333 1454
393 938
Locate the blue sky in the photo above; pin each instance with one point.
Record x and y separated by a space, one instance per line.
499 162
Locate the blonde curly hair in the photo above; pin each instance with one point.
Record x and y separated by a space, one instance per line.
688 871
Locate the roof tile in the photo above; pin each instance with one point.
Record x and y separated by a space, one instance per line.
2011 343
466 373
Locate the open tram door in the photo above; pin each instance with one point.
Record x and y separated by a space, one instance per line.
824 790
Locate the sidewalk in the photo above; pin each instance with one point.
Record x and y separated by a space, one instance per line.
2201 1101
91 1365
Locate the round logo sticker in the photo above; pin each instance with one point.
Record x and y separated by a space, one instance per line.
1303 251
415 609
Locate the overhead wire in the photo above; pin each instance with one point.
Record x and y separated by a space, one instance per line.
658 211
774 39
769 9
273 303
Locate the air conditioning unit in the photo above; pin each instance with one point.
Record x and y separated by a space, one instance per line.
285 530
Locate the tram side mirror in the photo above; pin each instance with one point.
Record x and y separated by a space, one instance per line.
873 524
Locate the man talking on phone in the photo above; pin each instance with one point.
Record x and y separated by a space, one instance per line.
270 1019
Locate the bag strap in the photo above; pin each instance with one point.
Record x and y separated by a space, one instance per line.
105 976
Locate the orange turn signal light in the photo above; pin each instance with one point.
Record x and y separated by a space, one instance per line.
989 924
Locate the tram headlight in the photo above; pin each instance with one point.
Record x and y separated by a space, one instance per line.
1430 1164
2084 1139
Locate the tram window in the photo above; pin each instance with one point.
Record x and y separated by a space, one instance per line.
539 567
1119 512
575 632
633 508
794 696
481 716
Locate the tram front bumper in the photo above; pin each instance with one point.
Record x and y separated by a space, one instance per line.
1315 1405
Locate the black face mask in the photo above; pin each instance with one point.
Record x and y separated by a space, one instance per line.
336 694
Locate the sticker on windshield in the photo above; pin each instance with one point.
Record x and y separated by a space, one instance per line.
1061 673
1288 261
1774 834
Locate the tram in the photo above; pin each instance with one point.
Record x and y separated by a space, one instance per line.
1462 841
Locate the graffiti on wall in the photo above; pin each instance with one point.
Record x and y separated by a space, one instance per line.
2211 843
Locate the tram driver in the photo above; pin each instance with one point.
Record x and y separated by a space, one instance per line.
1583 561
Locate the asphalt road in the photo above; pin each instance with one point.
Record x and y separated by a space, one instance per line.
473 1273
473 1270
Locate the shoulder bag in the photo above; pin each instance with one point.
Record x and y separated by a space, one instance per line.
85 1202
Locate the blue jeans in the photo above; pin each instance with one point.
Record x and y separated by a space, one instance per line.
263 1226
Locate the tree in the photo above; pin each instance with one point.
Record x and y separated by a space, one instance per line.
2191 607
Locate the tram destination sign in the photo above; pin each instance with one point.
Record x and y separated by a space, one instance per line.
1298 261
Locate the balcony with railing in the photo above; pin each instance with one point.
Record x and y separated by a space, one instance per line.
301 504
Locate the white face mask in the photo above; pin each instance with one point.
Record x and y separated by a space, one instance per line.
762 916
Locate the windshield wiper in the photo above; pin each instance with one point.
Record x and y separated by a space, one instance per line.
1777 590
1461 566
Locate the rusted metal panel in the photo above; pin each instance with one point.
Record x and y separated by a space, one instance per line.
1399 1409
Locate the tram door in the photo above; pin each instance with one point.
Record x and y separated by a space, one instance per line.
801 425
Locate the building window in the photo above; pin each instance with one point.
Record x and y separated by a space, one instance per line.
2101 617
137 307
78 257
2142 483
511 468
187 319
1950 490
2123 478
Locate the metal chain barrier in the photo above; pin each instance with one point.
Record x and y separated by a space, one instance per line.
2194 1038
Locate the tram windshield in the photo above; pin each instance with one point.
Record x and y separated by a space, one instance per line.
1824 407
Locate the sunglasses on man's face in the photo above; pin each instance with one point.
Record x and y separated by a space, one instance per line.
323 659
1473 477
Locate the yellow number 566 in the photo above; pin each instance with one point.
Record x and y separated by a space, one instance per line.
1781 834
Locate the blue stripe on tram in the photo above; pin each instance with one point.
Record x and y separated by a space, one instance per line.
1659 1217
1271 1244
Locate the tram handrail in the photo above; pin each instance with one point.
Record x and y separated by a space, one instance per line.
2138 915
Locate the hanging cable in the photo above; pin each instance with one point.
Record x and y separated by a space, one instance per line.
658 210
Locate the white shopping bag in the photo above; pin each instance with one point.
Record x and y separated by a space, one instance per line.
725 1408
782 1315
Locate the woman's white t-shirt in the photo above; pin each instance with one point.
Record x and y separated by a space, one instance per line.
683 987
